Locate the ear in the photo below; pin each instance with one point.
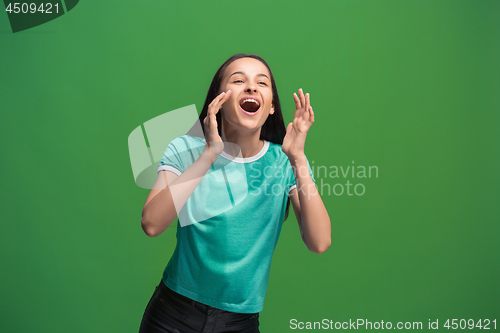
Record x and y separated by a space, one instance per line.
272 109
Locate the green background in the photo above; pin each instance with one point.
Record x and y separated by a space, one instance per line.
409 86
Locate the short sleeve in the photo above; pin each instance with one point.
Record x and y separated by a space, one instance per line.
292 182
180 153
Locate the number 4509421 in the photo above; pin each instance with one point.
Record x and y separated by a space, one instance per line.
470 324
32 8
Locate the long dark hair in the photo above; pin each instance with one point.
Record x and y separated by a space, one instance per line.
273 129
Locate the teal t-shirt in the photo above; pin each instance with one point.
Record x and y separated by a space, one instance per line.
229 227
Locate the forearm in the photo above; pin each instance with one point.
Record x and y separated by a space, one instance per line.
314 219
163 208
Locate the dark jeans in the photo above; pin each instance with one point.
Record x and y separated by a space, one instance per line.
170 312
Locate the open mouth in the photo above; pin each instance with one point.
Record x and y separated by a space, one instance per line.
250 105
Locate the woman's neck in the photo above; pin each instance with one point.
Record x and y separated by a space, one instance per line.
248 141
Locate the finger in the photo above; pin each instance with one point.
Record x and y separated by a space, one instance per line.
306 108
206 126
302 98
210 115
220 98
211 106
213 123
311 119
297 104
223 97
207 120
302 103
217 99
212 127
297 101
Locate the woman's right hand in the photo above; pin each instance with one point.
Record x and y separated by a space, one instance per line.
214 143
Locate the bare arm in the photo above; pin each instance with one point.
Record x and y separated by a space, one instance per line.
312 216
313 219
169 194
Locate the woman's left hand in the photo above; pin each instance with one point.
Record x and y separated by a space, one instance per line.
296 131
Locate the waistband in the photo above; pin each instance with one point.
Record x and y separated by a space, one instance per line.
184 299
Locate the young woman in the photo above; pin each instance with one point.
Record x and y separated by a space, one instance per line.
231 189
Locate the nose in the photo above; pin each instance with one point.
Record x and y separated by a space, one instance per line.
251 89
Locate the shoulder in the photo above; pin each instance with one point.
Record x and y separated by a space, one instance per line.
183 147
275 151
187 141
279 160
190 139
279 157
182 151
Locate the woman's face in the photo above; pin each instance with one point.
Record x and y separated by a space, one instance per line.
251 100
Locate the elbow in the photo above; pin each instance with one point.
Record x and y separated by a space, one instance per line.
148 229
321 248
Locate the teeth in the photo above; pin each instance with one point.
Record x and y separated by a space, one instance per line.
250 100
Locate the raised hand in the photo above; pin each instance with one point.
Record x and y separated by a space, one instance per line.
296 131
212 138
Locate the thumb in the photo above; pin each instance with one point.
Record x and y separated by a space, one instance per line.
289 128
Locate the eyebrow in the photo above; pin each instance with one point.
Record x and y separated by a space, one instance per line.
244 74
